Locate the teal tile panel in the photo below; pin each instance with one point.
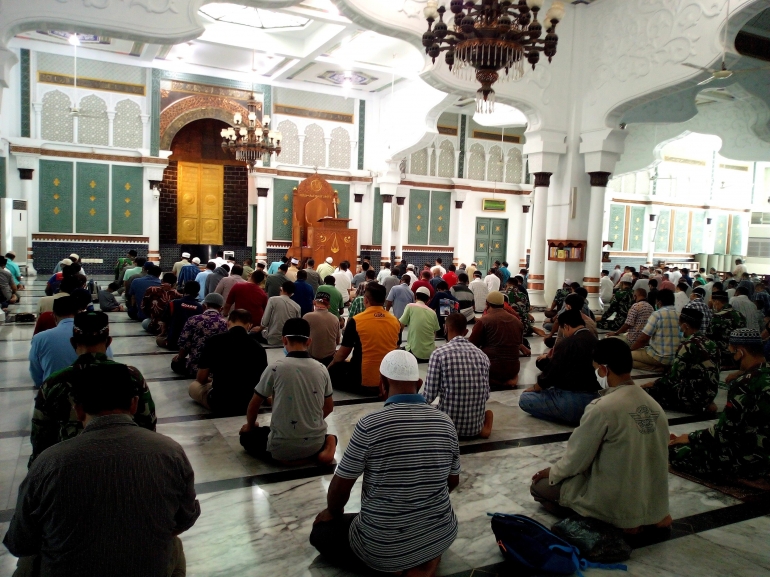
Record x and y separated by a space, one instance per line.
26 94
56 182
636 232
343 208
681 228
127 197
155 112
3 186
377 218
664 231
697 231
736 236
92 198
720 234
283 208
617 225
361 132
440 214
419 216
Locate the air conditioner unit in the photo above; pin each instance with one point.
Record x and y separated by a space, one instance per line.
13 228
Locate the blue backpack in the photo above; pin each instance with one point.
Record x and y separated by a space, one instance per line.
528 545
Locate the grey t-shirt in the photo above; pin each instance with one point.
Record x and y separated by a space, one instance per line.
5 284
299 386
107 301
278 310
390 282
400 295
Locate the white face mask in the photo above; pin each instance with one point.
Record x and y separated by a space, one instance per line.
602 380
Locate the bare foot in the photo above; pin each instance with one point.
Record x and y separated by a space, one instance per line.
512 382
326 455
486 430
712 408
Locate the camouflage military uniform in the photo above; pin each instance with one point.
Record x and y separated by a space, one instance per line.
722 324
561 294
621 303
736 445
518 296
54 418
523 317
692 381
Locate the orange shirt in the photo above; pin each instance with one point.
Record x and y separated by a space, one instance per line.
377 331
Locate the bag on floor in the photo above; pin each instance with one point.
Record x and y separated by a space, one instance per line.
528 545
599 542
93 288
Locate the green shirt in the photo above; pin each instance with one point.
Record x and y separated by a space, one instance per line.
356 306
423 324
335 297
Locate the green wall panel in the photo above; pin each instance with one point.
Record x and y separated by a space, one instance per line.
681 228
697 231
663 231
343 208
127 196
636 234
283 208
361 132
26 102
92 198
440 213
419 211
736 235
3 192
56 179
720 234
377 218
617 225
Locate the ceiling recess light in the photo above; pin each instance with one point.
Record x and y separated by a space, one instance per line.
74 40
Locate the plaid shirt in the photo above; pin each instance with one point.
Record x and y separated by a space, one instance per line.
356 306
699 305
663 329
637 320
458 372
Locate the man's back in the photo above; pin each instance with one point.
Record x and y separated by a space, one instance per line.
250 297
226 285
335 298
107 502
400 295
273 284
480 292
376 332
313 279
343 284
498 333
663 330
324 333
51 351
571 367
279 309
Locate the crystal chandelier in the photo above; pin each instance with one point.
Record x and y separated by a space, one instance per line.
251 141
489 36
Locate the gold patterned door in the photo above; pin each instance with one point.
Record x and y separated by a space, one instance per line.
199 203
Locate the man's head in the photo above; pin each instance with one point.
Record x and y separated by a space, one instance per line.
239 318
329 280
455 325
284 268
653 283
329 260
294 262
605 273
738 261
436 272
690 321
612 359
666 298
237 270
3 261
374 295
732 283
344 266
310 263
574 302
365 266
451 268
371 274
70 283
697 294
406 279
261 265
495 300
132 253
477 274
322 301
214 301
192 288
462 278
287 288
64 308
10 255
746 347
442 286
154 271
425 275
220 254
302 275
741 291
104 389
399 374
574 286
571 321
248 262
196 261
422 294
439 261
82 299
112 287
169 278
640 295
211 265
91 332
186 256
296 335
257 277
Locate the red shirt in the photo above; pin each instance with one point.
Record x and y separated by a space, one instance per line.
248 296
450 278
419 283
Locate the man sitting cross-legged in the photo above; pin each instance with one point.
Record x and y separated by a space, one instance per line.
229 392
196 332
458 374
499 335
692 381
615 467
655 348
409 455
725 320
569 383
176 314
302 398
423 324
736 446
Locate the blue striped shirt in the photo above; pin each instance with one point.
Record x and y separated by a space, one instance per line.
406 452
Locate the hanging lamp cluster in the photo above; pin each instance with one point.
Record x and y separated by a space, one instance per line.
251 141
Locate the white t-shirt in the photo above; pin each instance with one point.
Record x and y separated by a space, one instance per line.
384 273
343 283
680 301
492 282
674 277
440 268
606 286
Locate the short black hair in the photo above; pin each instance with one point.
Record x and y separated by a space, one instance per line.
104 387
132 253
422 297
220 253
683 286
365 266
442 286
666 297
615 354
284 267
155 271
310 262
240 316
225 267
451 268
237 270
741 290
376 293
258 276
65 306
463 278
299 329
371 274
288 287
575 301
653 283
192 288
211 265
70 283
406 279
574 286
439 261
302 274
169 278
571 318
457 322
582 291
329 280
140 260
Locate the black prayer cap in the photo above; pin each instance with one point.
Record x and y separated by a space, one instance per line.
91 324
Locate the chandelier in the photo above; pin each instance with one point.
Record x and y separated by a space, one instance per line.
251 141
490 36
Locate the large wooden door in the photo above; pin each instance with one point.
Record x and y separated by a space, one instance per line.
199 203
491 239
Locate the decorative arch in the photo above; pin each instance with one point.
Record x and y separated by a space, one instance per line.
93 124
514 167
446 159
339 149
477 163
433 160
56 121
127 129
314 149
289 142
495 164
418 163
197 107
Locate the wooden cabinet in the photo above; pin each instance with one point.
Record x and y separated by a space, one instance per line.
567 250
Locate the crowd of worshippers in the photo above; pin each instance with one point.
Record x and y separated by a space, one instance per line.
472 335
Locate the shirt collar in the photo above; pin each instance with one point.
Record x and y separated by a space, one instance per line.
408 399
299 355
109 421
67 321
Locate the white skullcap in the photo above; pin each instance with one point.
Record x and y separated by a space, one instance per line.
423 291
410 267
263 263
294 261
66 262
185 255
329 260
74 257
628 277
400 366
196 260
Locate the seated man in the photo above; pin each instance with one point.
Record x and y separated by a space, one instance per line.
303 293
661 333
226 284
602 474
188 273
736 446
201 277
692 381
54 419
480 292
155 301
89 505
615 316
458 373
324 331
558 301
302 398
465 297
137 288
107 301
698 303
423 324
409 455
176 314
278 310
499 335
637 318
568 383
357 304
335 297
369 336
223 386
724 321
399 297
196 331
249 296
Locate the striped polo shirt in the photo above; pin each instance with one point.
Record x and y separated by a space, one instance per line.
406 452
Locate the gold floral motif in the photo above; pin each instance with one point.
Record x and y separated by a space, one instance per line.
285 210
347 239
441 218
92 184
483 227
92 198
322 237
441 207
286 197
127 186
56 182
497 229
92 211
127 200
56 196
127 213
285 222
419 206
481 245
56 210
335 245
419 217
440 228
419 228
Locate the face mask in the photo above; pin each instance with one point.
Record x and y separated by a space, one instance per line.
602 380
285 352
681 333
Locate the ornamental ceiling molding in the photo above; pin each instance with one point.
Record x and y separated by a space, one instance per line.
191 108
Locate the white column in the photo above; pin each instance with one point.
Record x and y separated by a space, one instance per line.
301 149
524 232
145 130
358 203
111 121
536 283
653 227
27 165
400 234
594 240
388 189
455 226
75 130
261 224
153 175
38 106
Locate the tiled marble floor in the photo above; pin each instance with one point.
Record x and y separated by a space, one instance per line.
256 517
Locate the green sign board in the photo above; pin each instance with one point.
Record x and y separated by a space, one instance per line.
493 205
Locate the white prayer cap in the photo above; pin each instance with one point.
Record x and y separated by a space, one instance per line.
567 281
185 255
74 257
628 277
262 262
66 262
196 260
329 260
400 366
294 261
423 291
410 267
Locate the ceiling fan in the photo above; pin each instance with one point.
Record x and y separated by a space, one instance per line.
74 110
722 73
